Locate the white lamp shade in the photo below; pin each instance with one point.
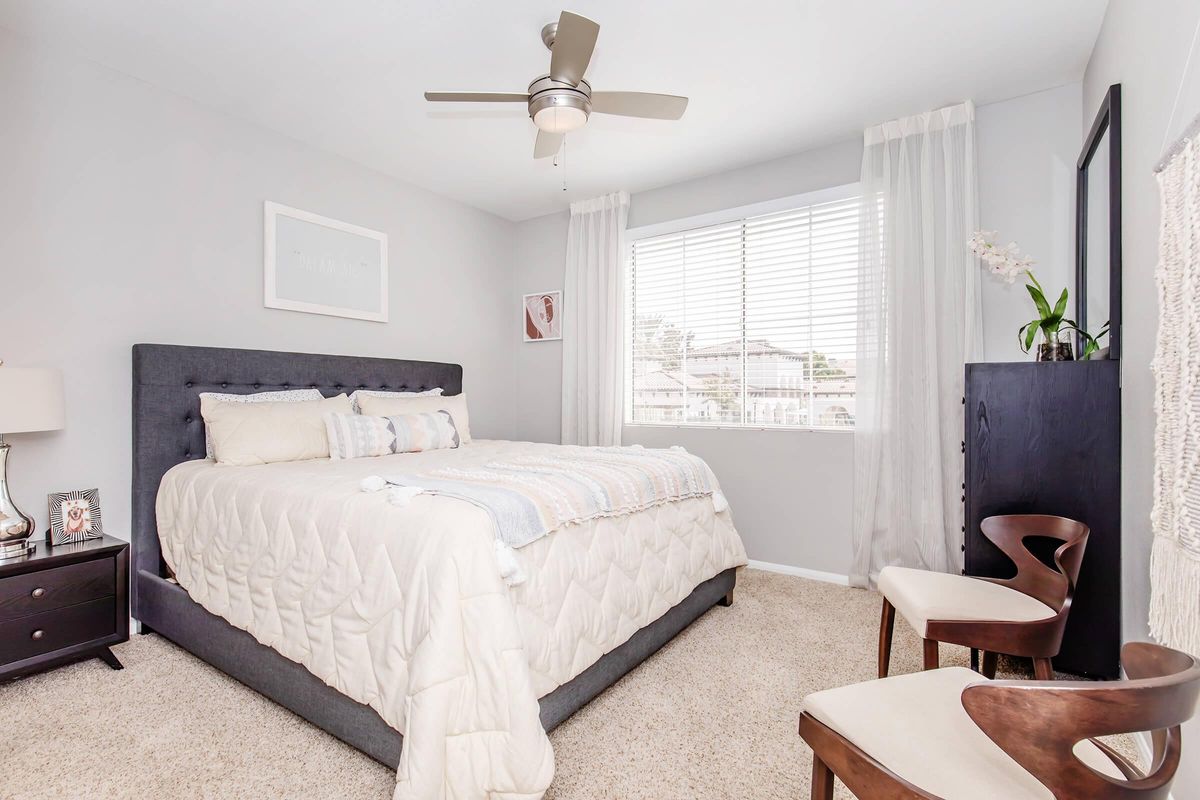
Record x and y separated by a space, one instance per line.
31 399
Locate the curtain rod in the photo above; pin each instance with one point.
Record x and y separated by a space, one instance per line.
1192 129
1189 134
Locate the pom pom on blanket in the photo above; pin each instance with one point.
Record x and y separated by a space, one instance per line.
397 495
403 495
372 483
509 564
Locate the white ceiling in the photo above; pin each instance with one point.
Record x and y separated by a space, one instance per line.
765 78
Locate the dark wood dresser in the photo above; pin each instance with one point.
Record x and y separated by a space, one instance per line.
1045 438
63 603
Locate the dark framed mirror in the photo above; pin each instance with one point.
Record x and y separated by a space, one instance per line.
1098 228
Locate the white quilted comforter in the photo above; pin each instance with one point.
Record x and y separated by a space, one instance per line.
403 608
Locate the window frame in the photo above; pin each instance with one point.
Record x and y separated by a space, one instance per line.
721 217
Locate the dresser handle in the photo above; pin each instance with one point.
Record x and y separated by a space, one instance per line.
38 592
38 634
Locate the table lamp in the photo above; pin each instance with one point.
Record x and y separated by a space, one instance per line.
31 399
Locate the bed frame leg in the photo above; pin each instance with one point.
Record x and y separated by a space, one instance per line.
727 600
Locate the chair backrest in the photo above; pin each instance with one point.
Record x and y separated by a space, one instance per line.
1039 723
1054 588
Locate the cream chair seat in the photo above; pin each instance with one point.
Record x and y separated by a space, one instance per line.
915 725
920 596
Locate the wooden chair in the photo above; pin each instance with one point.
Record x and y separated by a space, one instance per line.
949 734
1021 616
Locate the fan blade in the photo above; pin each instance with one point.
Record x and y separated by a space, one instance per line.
639 104
573 45
477 97
547 144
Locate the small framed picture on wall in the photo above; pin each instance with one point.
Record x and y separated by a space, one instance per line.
542 312
75 516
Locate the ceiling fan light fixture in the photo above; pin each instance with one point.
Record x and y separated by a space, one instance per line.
560 119
559 111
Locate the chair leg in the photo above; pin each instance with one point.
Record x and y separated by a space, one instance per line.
887 623
931 653
988 670
1043 670
822 780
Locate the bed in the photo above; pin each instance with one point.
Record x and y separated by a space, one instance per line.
221 620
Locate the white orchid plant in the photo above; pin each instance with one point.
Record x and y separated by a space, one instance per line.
1007 262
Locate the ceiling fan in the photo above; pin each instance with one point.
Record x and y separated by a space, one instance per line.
561 101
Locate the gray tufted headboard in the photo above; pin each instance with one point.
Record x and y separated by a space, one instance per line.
167 428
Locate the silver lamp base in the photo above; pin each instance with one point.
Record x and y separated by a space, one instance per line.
15 527
20 549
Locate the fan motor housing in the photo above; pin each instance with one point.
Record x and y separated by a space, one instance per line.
545 92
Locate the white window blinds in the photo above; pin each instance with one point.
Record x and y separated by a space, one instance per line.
746 323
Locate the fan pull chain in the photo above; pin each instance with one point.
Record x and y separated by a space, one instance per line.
560 160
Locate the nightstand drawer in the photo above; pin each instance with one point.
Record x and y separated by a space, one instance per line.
54 630
34 592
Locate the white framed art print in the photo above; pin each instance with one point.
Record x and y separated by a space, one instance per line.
320 265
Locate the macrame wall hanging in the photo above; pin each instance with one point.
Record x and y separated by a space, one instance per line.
1175 559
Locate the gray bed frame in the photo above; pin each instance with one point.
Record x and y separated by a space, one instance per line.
167 430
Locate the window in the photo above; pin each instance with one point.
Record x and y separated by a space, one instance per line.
746 322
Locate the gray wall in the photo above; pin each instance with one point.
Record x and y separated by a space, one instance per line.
129 214
1144 48
1027 151
791 490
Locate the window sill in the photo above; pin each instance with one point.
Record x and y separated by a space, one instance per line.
701 427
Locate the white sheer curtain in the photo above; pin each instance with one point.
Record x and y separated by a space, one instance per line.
593 301
918 324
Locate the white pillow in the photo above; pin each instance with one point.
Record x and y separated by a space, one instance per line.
360 436
263 433
380 393
283 396
456 404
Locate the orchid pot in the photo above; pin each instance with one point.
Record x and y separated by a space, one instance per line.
1056 349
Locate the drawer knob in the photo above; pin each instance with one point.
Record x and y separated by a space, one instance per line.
38 634
38 592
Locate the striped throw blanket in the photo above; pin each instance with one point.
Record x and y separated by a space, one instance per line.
531 496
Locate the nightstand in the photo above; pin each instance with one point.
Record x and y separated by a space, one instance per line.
63 603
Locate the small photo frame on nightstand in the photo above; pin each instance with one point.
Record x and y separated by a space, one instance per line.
74 516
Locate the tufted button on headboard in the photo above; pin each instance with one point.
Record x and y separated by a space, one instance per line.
168 428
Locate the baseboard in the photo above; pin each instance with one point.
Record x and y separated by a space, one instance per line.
801 572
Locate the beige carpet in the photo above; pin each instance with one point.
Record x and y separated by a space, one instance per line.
712 715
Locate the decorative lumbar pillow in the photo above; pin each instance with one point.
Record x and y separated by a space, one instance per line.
430 430
262 433
360 436
283 396
456 404
381 393
357 436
